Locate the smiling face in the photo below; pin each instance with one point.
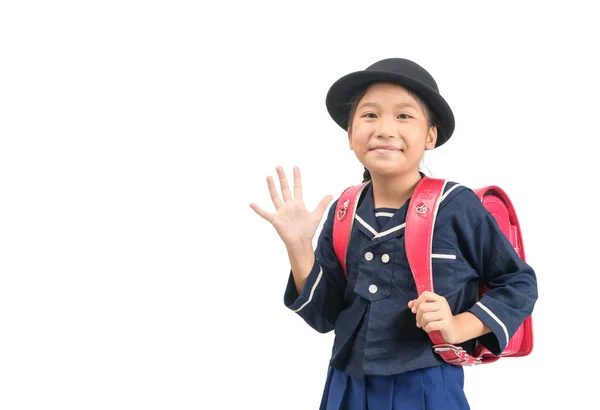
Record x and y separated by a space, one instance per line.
389 131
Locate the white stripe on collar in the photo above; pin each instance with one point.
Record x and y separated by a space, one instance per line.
389 231
389 214
396 228
366 225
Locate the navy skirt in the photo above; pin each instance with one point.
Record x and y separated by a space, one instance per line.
433 388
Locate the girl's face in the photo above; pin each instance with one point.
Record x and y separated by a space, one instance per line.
390 131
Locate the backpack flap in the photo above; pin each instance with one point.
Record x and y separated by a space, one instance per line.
497 202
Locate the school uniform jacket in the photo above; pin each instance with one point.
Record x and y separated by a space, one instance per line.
375 332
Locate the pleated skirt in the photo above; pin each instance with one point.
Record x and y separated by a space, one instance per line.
433 388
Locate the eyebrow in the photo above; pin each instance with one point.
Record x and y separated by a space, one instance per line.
399 105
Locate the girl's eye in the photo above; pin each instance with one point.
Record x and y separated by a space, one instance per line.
404 116
370 115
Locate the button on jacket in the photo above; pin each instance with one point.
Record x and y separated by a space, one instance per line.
375 332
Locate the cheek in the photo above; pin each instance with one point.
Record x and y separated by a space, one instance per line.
360 132
358 141
419 137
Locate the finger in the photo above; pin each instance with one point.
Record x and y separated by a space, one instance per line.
322 207
427 308
297 184
262 213
425 297
285 188
430 296
429 317
417 303
435 325
274 194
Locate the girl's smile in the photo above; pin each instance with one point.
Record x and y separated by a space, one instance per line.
386 149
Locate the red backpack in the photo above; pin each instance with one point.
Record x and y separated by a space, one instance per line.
420 220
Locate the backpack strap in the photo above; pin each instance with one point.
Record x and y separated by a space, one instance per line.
343 220
418 238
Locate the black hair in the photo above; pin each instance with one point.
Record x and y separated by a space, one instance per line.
430 115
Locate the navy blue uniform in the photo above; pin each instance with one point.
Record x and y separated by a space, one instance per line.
375 332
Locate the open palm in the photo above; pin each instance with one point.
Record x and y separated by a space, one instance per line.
293 222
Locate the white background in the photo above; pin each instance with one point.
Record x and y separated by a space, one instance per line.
134 275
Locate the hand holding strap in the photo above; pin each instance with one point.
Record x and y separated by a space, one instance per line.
420 222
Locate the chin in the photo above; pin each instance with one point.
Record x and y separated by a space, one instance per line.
384 172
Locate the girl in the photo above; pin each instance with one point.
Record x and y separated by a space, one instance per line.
382 356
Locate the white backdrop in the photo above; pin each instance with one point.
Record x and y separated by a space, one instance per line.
134 275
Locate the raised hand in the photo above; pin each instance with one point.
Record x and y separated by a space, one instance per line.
293 222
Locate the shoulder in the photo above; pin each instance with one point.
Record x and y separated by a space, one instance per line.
457 191
461 199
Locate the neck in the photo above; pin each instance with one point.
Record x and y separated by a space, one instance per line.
393 192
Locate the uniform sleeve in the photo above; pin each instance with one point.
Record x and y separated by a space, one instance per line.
512 283
322 298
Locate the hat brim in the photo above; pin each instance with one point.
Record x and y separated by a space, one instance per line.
340 95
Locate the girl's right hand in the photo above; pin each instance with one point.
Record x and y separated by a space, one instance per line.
293 222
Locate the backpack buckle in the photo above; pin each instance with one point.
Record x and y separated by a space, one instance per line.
462 357
448 348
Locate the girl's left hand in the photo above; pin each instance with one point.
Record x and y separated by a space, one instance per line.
433 313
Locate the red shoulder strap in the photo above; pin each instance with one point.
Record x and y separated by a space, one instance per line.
418 238
342 222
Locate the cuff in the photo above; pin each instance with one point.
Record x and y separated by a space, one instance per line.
297 302
497 340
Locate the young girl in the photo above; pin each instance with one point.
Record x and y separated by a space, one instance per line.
382 356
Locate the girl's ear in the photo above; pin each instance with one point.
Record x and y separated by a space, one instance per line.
431 138
350 138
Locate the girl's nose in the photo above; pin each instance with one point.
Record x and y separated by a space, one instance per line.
386 128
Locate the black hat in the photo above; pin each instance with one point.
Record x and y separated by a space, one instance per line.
397 70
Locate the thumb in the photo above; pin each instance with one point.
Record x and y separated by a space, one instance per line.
320 209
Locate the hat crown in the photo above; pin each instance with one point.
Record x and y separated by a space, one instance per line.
405 67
